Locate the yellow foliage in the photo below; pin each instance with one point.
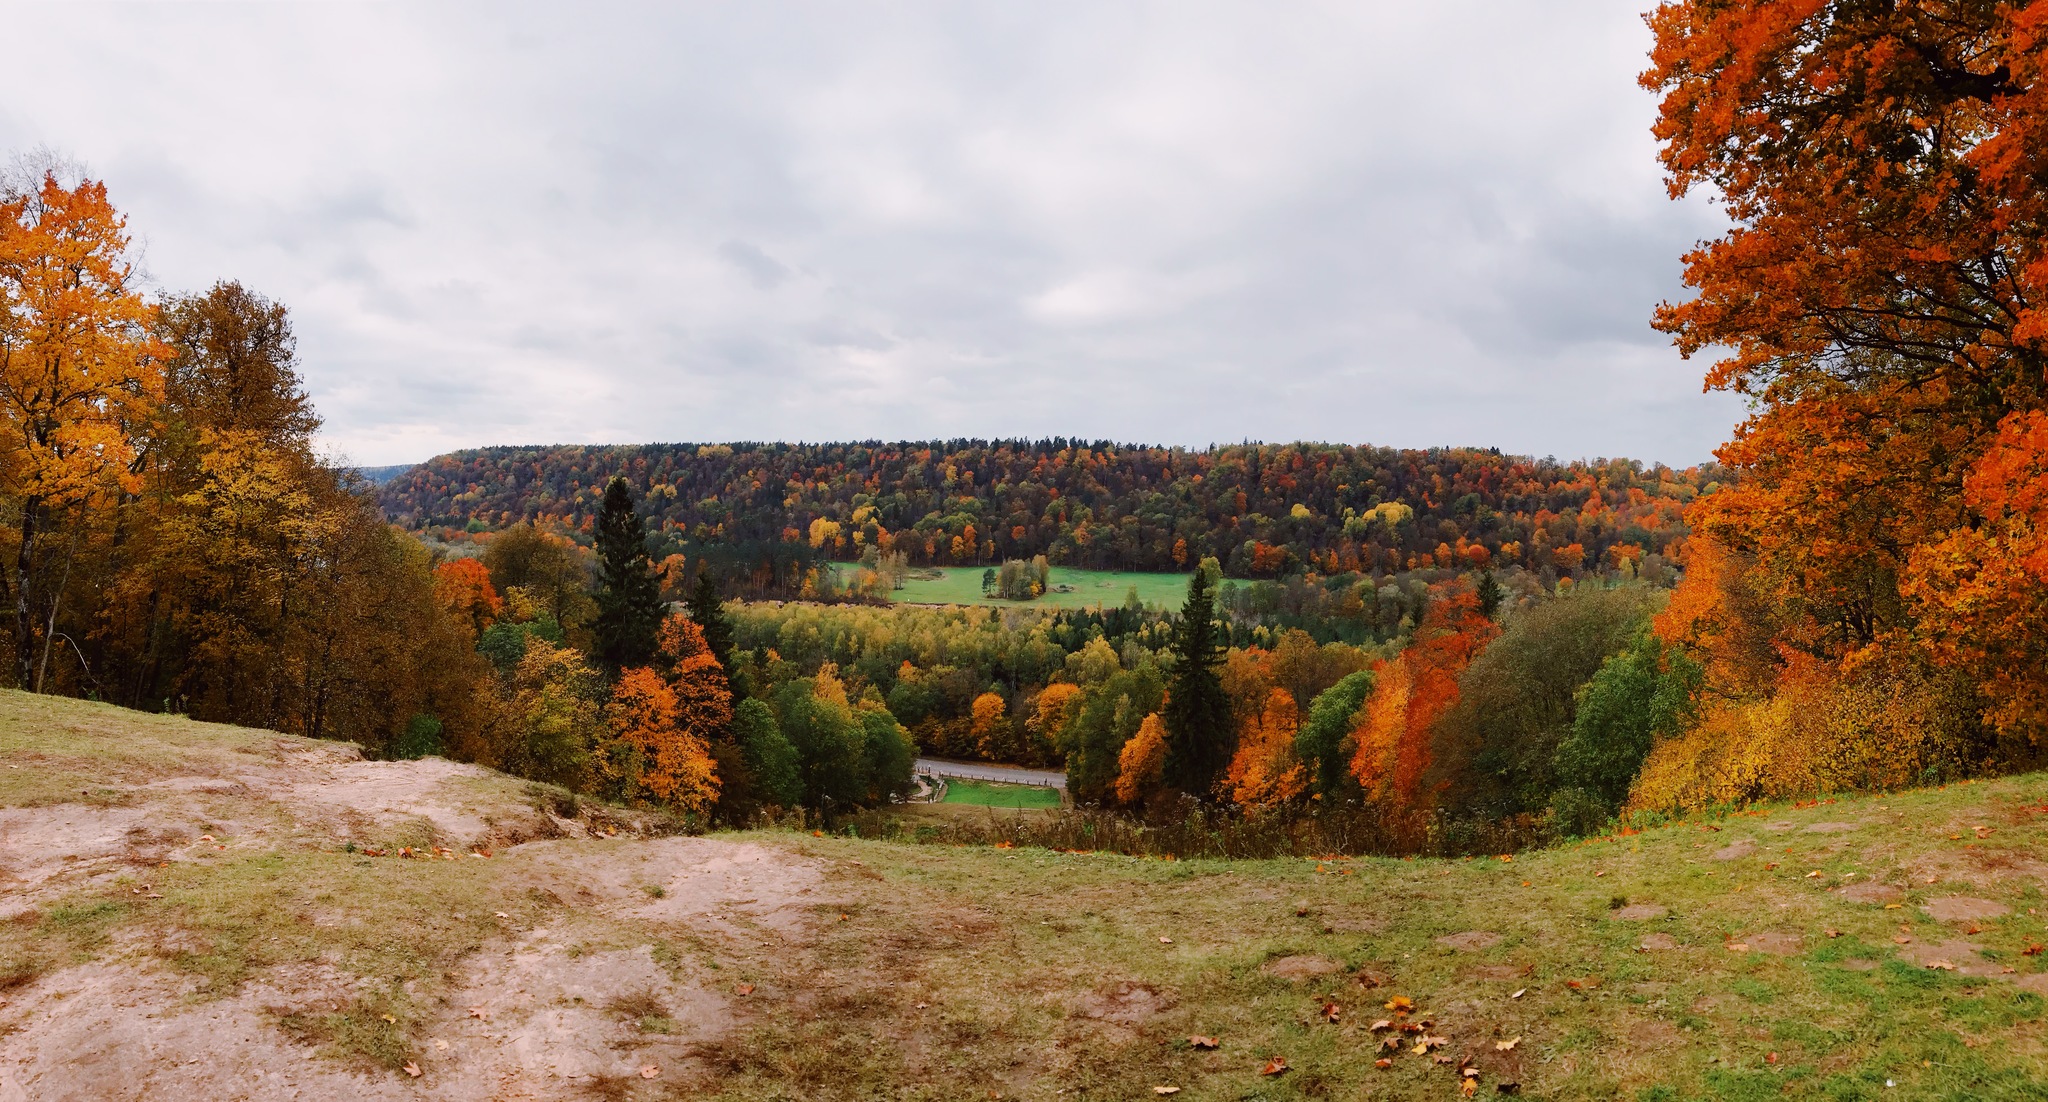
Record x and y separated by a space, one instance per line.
1878 721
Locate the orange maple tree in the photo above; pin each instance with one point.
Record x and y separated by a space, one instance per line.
463 587
1265 770
80 368
1879 294
672 763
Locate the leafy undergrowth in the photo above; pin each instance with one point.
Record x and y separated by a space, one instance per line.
1881 947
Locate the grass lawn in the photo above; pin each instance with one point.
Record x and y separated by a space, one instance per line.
961 585
987 794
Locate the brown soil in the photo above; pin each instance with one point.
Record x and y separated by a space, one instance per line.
1471 941
1301 967
1657 943
1638 912
1963 908
1830 828
1774 943
1735 851
1870 891
1127 1004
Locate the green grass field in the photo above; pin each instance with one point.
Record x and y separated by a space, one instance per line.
961 585
986 794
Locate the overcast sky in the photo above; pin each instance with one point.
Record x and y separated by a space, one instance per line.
1390 223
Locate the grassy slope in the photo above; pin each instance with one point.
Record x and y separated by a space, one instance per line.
957 971
961 585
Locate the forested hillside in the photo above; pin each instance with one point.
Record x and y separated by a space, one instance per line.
1261 510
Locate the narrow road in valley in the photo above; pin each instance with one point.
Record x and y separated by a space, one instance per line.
982 771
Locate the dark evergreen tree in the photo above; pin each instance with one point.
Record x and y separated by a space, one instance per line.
1489 594
1199 738
707 608
628 596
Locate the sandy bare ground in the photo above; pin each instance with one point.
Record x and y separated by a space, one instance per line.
543 1013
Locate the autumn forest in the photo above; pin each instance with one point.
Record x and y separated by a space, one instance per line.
1450 650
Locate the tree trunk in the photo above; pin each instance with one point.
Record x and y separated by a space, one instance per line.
24 575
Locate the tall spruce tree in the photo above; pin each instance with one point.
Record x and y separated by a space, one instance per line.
628 597
1199 738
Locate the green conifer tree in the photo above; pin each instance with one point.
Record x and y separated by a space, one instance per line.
1199 738
628 596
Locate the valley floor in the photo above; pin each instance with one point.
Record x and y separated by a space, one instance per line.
202 912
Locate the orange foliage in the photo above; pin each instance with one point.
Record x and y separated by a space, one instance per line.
1880 296
1982 593
703 696
989 726
673 760
1410 693
1141 764
1265 771
463 587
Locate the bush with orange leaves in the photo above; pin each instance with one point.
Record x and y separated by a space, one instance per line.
649 752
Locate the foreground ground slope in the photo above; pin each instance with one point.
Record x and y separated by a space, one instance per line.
206 912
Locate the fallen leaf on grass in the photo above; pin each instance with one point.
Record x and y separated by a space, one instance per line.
743 989
1382 1025
1391 1044
1470 1088
1832 932
388 1018
440 1045
1504 1046
1276 1066
1199 1041
1813 874
1427 1042
1738 947
1383 1063
1331 1011
1166 941
1903 940
2031 950
478 1013
501 914
1165 1090
1941 965
206 837
1400 1004
412 1068
1519 994
650 1072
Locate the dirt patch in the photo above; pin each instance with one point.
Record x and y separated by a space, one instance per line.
1856 964
1735 851
735 888
1781 826
1963 908
1870 891
1960 956
1471 941
1831 828
1773 942
538 1015
1638 912
1301 967
1128 1003
390 791
114 1031
2037 983
1497 972
1656 943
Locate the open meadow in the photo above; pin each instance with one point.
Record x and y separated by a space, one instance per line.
961 585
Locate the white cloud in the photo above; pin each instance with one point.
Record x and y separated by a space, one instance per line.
1173 221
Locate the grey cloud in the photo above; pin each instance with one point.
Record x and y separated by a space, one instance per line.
1161 220
766 272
